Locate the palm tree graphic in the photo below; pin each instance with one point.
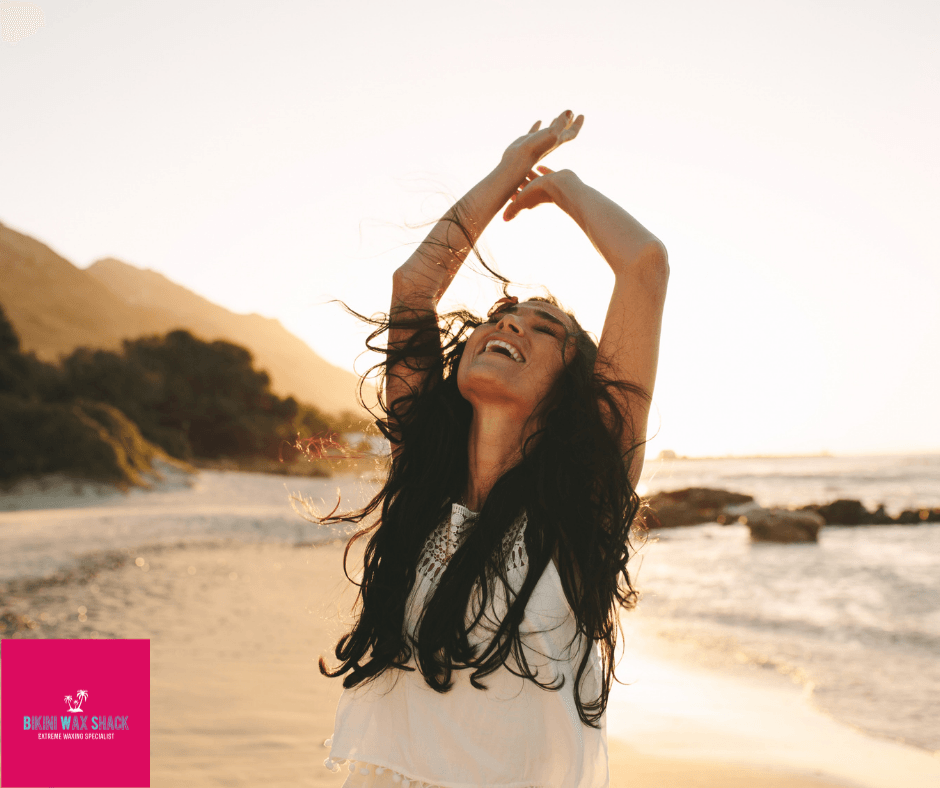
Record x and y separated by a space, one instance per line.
82 696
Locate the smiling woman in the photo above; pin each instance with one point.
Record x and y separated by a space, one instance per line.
483 653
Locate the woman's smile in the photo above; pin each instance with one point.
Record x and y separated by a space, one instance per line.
504 348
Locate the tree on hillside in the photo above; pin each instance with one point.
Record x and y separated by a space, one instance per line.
106 376
212 392
44 429
22 374
192 397
13 369
100 412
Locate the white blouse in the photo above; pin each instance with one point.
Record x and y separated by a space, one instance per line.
514 734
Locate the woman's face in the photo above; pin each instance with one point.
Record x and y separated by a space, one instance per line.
514 359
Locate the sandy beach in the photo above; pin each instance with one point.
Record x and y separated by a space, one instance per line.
237 699
235 634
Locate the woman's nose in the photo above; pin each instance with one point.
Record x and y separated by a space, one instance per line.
508 323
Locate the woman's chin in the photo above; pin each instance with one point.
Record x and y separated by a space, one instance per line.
488 382
498 396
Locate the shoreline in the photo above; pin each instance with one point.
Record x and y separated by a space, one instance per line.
236 630
682 703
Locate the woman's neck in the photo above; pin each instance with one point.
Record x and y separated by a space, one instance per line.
494 446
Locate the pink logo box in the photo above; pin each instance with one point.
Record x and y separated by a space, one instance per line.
75 713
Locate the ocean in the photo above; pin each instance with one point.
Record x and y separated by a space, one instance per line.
854 619
897 481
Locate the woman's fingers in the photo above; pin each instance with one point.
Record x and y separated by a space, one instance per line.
517 206
531 193
562 125
565 127
572 130
530 176
538 142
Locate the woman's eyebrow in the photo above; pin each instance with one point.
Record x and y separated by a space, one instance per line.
550 318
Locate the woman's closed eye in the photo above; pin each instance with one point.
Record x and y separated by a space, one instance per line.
556 332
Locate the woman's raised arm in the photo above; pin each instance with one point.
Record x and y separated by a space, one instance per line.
629 344
419 283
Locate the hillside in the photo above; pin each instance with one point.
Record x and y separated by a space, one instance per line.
55 307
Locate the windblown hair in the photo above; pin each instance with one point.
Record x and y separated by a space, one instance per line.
572 484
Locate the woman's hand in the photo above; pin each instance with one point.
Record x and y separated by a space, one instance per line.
531 148
538 187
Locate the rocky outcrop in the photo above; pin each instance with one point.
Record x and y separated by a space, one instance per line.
690 506
917 516
783 525
851 512
845 512
697 505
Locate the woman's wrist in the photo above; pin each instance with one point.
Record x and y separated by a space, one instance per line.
514 168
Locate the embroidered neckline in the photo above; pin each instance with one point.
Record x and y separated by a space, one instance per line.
465 511
447 538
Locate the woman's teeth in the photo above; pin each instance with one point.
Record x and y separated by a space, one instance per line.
499 343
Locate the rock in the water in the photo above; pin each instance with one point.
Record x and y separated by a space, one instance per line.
783 525
738 512
909 517
690 506
845 512
881 517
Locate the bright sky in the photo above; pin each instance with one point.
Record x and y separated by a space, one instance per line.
271 156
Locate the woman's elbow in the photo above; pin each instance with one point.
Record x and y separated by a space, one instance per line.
653 261
410 288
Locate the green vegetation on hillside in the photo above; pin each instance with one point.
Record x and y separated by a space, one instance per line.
107 415
86 439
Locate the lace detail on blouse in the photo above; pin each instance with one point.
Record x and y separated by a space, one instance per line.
447 538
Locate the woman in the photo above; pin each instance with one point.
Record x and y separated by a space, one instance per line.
483 652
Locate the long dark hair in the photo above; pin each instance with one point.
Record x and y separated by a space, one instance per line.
572 484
